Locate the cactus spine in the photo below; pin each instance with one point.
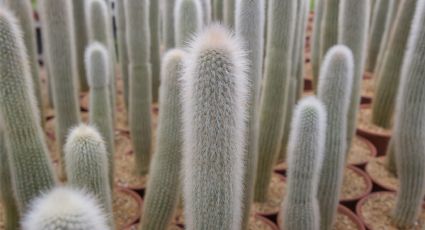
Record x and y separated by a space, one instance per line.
409 129
57 25
65 208
87 165
305 153
229 13
169 24
163 185
250 27
318 15
188 20
81 40
122 48
29 163
334 91
138 41
353 28
98 73
281 27
390 72
23 11
214 109
155 55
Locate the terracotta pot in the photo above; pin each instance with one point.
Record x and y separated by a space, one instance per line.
308 84
136 227
352 202
371 147
272 215
378 186
365 100
84 102
267 222
139 201
140 190
367 75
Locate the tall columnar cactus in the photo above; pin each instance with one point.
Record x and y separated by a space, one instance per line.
168 15
409 129
24 13
250 16
65 208
315 61
7 198
122 47
27 152
229 13
81 40
155 52
164 176
218 7
98 73
377 31
306 143
60 53
353 28
138 41
206 11
187 20
334 91
99 29
87 165
390 72
215 92
281 28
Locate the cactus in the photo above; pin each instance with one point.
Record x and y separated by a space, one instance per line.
353 28
29 162
390 72
305 153
390 159
99 29
187 20
138 41
163 185
377 30
7 198
169 33
215 93
229 13
206 11
65 208
23 11
81 40
250 26
122 48
409 128
155 55
98 73
87 165
281 28
58 35
334 91
315 61
218 6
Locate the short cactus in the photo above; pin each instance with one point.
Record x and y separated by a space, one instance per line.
155 52
315 61
122 48
87 165
336 75
353 32
164 176
30 165
281 28
229 13
187 20
56 17
65 208
81 40
215 92
138 41
98 74
409 129
300 207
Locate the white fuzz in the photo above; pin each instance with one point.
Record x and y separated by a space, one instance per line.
83 133
97 62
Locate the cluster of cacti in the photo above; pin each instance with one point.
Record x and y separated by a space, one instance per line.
188 20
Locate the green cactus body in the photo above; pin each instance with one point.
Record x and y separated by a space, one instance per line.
218 10
315 61
138 41
390 159
65 208
281 27
164 176
300 207
215 93
377 30
188 20
353 28
229 13
81 40
30 165
249 26
23 11
98 72
7 198
58 35
99 29
206 11
169 31
409 129
390 72
122 48
334 91
155 55
87 165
